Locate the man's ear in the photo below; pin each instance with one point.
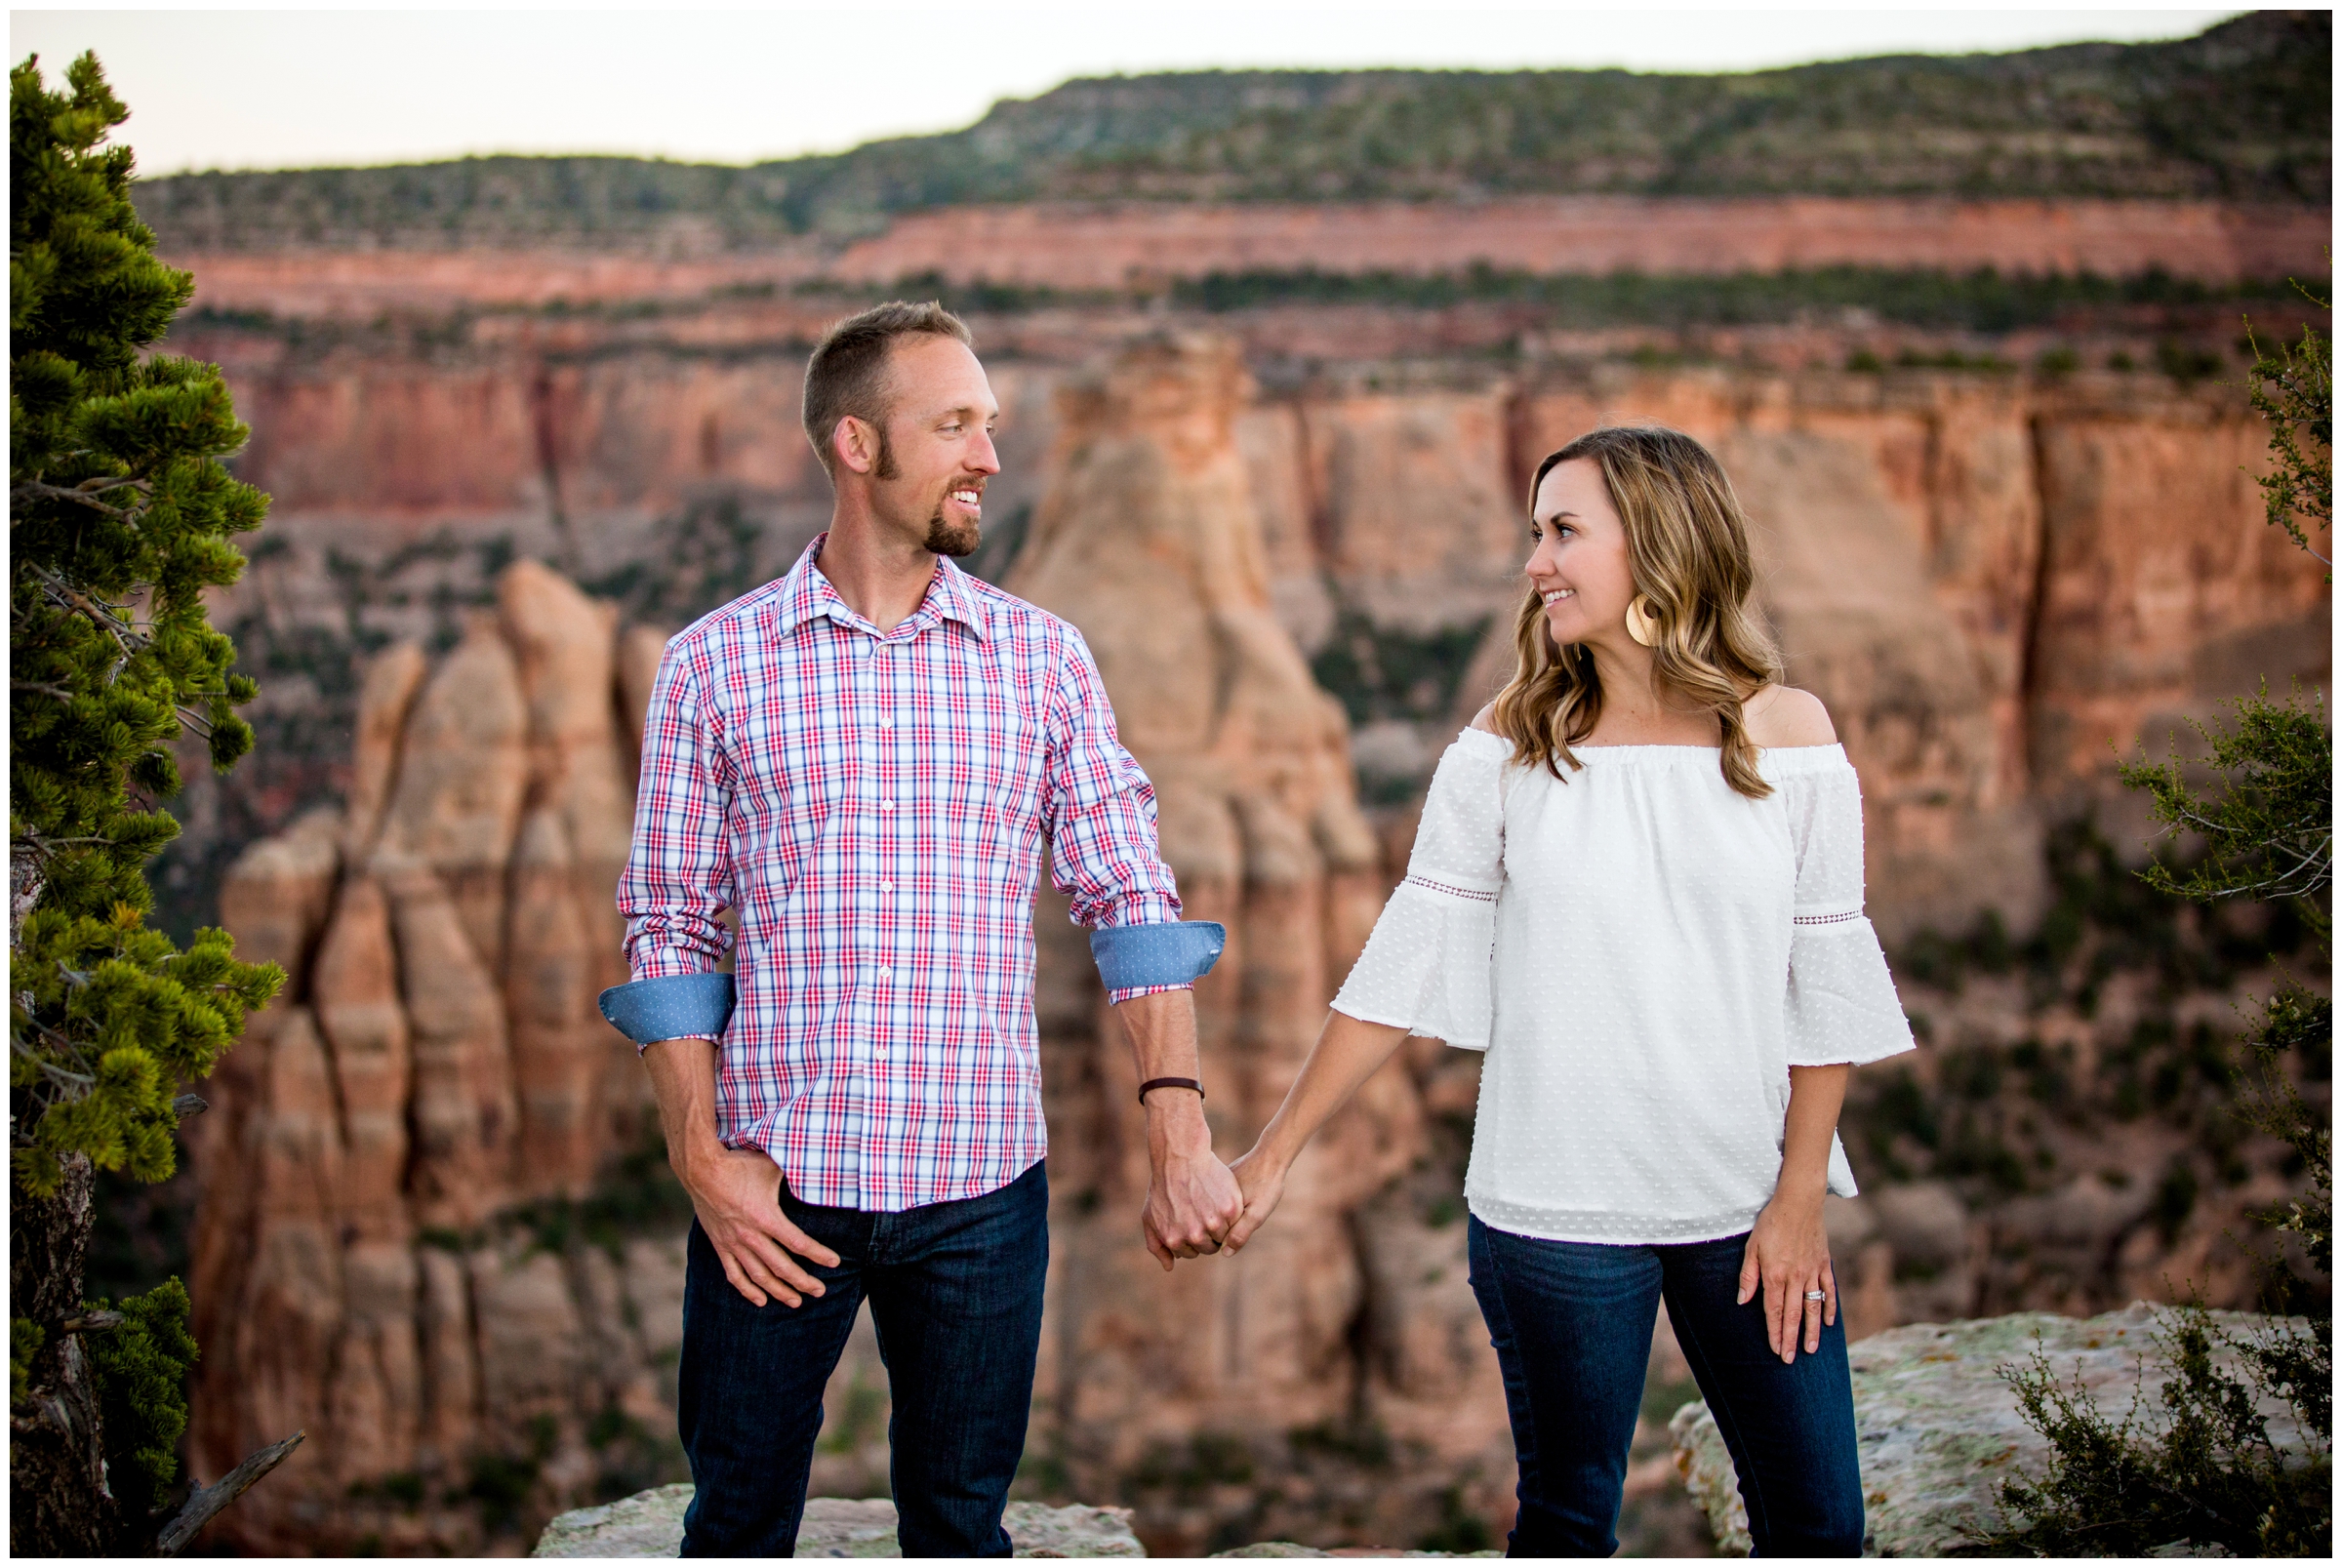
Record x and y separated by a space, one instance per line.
855 443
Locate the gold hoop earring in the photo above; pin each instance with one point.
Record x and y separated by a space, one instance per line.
1642 625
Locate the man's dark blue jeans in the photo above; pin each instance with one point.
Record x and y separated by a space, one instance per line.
955 1295
1573 1325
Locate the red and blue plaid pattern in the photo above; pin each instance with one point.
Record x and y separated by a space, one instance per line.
875 805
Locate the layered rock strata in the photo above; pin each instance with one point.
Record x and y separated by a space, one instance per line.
1137 244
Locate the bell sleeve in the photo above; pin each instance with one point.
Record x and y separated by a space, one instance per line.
1843 1005
1426 969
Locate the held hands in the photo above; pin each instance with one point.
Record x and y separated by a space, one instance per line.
1263 1181
1788 1254
1192 1201
737 1193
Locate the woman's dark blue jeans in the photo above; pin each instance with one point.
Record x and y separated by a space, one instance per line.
1573 1325
955 1295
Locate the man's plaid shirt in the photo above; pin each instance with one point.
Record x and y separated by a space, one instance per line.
875 805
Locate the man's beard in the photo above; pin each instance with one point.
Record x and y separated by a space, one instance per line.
953 540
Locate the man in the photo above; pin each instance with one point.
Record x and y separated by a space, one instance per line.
864 760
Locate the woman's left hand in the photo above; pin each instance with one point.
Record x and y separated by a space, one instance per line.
1788 1254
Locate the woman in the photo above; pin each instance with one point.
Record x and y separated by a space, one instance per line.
1638 886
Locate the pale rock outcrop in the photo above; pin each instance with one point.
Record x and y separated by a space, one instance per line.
639 649
462 774
1940 1429
386 697
1416 519
365 1025
529 1334
288 1306
275 897
567 646
464 1097
375 1405
560 1045
650 1524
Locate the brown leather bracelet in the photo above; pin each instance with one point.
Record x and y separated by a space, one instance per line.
1169 1083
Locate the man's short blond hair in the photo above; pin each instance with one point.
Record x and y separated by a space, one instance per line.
847 373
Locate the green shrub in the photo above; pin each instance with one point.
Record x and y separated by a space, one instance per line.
142 1369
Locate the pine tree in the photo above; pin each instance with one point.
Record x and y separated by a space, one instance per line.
121 515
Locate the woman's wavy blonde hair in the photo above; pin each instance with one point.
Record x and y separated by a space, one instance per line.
1687 547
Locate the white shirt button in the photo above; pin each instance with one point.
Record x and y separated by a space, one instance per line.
886 887
886 805
886 724
884 972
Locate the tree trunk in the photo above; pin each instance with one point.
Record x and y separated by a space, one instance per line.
58 1502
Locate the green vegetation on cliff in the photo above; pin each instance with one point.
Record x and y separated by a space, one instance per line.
2240 113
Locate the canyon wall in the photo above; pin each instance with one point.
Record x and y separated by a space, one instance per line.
427 1229
1997 582
1111 246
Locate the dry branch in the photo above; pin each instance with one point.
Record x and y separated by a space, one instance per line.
206 1501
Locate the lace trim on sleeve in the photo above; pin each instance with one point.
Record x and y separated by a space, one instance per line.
1450 889
1826 920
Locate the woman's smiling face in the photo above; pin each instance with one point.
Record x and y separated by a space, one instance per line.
1579 566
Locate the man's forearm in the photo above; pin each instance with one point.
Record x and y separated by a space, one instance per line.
1162 1043
1192 1199
683 1076
1162 1035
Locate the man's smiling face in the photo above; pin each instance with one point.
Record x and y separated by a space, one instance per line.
938 453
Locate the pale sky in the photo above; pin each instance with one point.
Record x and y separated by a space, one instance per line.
287 88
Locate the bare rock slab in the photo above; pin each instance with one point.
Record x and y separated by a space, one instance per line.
1939 1429
650 1524
1289 1548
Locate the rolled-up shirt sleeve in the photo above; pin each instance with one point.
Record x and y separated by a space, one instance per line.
1098 808
678 877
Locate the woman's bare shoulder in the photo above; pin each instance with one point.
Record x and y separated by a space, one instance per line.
1782 716
1485 719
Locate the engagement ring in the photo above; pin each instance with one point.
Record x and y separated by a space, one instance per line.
1817 1296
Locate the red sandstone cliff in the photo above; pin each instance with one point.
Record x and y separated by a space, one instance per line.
434 1064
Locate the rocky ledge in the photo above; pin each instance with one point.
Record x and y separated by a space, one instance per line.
1938 1426
650 1524
1940 1430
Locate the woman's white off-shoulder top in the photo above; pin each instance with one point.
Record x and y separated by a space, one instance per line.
1644 953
